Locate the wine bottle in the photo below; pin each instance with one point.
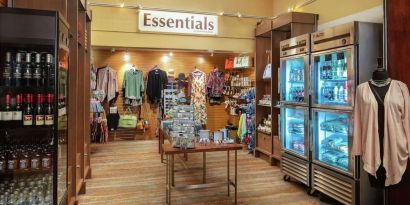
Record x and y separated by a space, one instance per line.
27 75
38 111
16 71
6 75
28 112
7 114
49 69
18 110
37 72
49 111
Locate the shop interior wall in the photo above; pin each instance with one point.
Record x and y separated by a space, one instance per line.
119 26
332 10
181 62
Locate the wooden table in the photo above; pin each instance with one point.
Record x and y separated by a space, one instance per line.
169 151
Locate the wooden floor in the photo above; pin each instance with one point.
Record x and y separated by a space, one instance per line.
130 172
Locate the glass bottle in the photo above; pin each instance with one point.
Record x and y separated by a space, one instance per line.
46 159
12 161
35 159
3 161
27 73
6 75
24 161
37 72
38 111
16 71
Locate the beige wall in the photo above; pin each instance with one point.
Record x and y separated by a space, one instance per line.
117 27
328 10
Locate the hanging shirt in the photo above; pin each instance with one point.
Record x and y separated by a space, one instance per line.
215 83
196 90
133 84
157 79
396 133
107 82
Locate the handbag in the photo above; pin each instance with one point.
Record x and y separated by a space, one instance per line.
267 73
229 63
242 61
127 120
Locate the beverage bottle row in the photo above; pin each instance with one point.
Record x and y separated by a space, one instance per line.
296 75
335 92
297 93
25 158
16 113
334 69
27 69
27 190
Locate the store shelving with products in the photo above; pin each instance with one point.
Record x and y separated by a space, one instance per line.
33 125
268 35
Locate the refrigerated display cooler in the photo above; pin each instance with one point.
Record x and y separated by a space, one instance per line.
342 57
294 95
295 143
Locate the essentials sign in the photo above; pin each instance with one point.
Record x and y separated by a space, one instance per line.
172 22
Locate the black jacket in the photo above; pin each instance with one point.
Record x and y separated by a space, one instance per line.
157 79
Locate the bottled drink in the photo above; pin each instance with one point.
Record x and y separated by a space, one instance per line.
7 113
37 73
27 74
24 160
49 111
49 70
334 69
35 160
345 92
335 93
18 111
38 111
28 111
16 71
6 75
3 161
46 159
12 161
341 94
344 67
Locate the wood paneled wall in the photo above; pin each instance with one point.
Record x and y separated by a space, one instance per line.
398 46
181 62
3 3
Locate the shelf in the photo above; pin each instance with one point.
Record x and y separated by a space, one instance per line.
25 172
291 81
261 105
28 41
334 80
265 133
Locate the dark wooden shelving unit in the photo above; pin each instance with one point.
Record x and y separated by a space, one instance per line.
78 15
268 34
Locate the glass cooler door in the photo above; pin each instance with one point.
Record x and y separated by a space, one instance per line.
333 79
294 80
294 130
332 137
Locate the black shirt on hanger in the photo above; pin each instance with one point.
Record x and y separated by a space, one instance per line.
157 79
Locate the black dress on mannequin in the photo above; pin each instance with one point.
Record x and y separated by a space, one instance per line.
380 94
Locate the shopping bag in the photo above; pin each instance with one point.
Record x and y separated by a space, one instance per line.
267 73
127 120
229 63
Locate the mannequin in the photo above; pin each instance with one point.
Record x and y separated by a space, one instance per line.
379 85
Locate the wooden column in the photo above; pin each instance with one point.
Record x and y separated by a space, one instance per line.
398 47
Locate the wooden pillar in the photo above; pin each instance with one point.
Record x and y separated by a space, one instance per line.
398 47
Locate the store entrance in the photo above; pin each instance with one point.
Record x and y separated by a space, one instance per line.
178 65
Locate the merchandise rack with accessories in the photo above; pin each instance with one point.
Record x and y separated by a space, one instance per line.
268 35
34 61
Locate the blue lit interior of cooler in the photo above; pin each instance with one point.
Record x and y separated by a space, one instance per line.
331 133
295 130
331 75
294 80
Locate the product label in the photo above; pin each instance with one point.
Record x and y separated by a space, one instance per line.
2 166
18 115
39 120
17 73
27 75
11 164
35 163
23 164
6 73
7 116
49 120
45 163
27 120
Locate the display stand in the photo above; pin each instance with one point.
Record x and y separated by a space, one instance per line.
268 35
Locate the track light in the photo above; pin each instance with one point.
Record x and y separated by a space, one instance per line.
171 54
221 13
126 56
239 15
122 5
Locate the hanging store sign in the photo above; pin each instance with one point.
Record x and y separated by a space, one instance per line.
173 22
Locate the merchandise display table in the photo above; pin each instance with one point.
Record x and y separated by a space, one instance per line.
169 151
